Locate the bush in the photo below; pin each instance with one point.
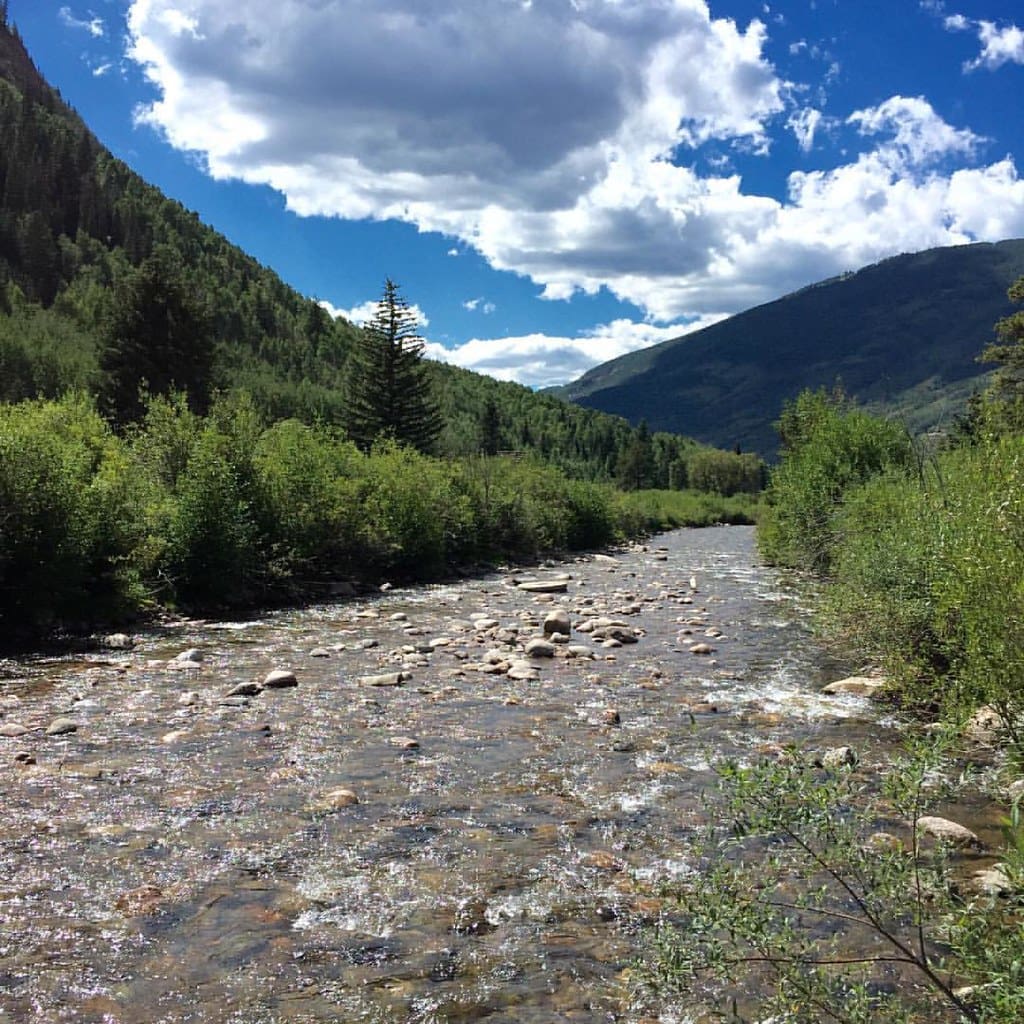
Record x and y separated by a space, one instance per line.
828 449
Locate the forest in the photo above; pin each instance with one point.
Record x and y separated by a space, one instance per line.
178 426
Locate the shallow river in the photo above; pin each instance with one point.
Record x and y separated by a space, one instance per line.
187 856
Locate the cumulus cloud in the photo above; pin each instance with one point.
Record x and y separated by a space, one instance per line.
999 45
365 311
93 25
541 359
562 147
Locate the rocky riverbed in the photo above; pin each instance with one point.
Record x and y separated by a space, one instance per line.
445 803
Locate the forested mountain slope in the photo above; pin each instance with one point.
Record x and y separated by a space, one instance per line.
901 336
81 233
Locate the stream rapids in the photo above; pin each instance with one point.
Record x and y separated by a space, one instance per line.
464 846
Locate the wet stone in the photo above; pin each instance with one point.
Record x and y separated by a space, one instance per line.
61 727
280 679
384 679
248 689
12 729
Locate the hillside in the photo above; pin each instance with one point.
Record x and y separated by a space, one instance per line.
77 229
901 337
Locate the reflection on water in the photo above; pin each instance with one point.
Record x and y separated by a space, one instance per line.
186 856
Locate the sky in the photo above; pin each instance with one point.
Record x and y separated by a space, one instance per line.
553 183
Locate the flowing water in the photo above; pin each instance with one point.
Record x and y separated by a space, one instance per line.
187 856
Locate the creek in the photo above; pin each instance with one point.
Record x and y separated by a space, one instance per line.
464 846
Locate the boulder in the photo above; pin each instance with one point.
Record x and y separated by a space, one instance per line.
12 729
557 621
856 686
385 679
985 727
839 757
280 679
61 727
950 832
544 586
540 648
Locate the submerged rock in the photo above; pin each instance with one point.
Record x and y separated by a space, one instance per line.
857 686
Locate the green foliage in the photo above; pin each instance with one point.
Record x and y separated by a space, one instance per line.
655 510
828 448
388 394
725 473
157 338
67 511
803 912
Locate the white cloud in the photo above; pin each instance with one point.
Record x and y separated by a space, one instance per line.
478 304
804 124
562 148
93 25
364 311
999 45
542 360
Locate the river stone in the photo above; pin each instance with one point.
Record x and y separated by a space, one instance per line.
557 621
702 649
992 881
336 799
189 698
522 671
857 686
117 641
61 727
947 831
183 665
174 736
405 742
192 654
244 690
579 651
883 842
623 634
12 729
1015 790
540 648
384 679
24 757
485 623
606 559
985 727
280 679
319 652
341 588
544 586
838 757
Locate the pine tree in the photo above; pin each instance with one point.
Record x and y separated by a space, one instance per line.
158 337
389 394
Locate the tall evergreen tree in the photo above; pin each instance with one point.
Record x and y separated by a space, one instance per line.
389 394
158 337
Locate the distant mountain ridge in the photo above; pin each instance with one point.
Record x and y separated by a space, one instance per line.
901 336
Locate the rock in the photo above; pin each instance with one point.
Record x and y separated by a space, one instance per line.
579 651
471 917
24 757
857 686
61 727
610 717
702 649
544 586
336 799
557 621
280 679
117 641
174 736
398 617
366 644
384 679
985 727
1015 790
244 690
12 729
192 654
539 648
234 701
950 832
838 757
319 652
992 881
405 742
522 671
183 665
884 842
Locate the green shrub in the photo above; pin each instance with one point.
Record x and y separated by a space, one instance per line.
828 449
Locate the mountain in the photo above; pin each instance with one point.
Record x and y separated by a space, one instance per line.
901 336
79 231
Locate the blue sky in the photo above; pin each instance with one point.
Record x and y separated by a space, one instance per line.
555 182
